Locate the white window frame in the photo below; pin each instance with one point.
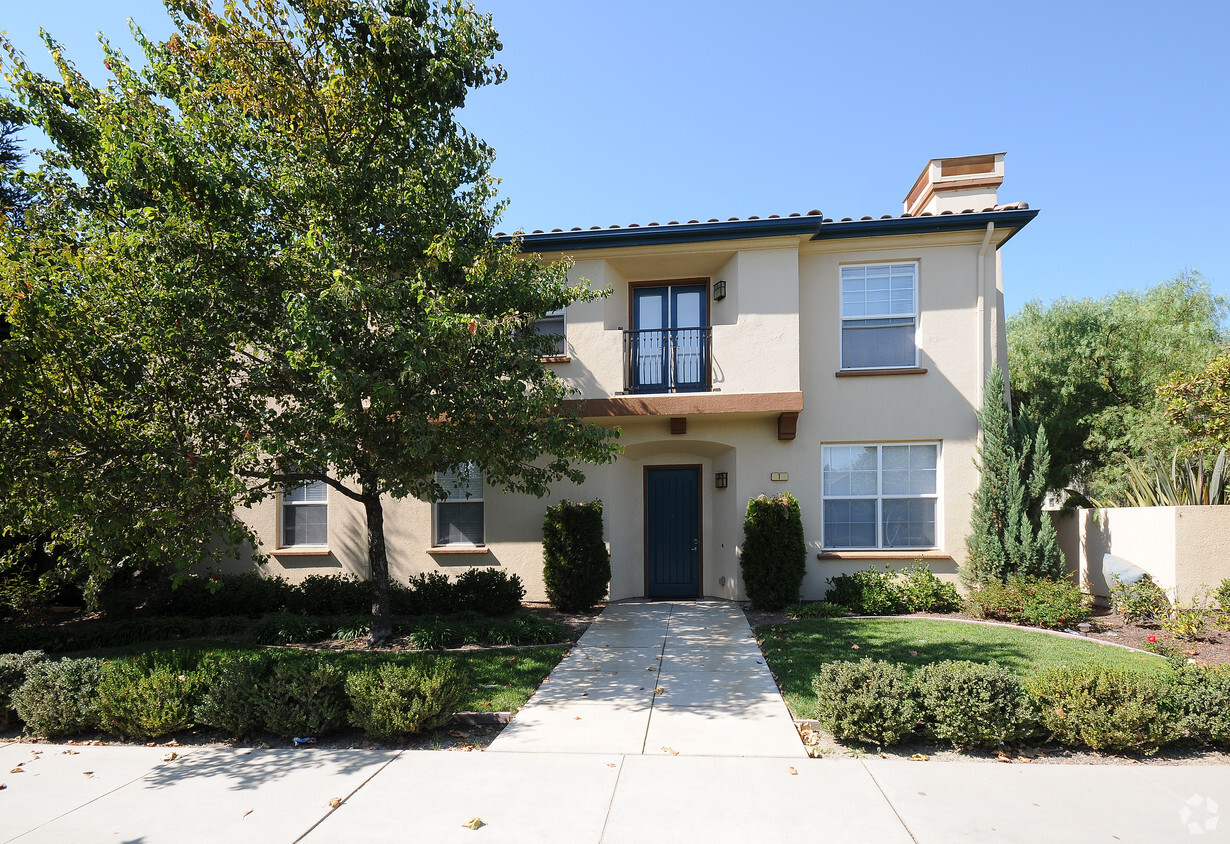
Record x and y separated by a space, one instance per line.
445 479
562 313
286 501
880 497
843 318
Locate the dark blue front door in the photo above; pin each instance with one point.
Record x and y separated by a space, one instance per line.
672 532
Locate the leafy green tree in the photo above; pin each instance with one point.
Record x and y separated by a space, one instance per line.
1009 533
278 257
1090 369
1200 404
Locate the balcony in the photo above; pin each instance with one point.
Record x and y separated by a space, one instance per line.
667 360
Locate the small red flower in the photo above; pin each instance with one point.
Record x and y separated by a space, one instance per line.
1152 638
473 327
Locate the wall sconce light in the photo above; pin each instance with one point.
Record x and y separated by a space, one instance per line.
779 476
719 480
719 291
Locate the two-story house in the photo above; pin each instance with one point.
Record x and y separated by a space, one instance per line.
840 359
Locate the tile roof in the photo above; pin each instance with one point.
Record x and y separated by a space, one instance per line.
1012 206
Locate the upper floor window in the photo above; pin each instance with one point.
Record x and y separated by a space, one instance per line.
554 326
880 496
305 514
459 518
879 316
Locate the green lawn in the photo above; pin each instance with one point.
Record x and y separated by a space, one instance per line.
796 650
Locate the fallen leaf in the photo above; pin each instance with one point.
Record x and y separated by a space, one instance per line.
335 802
473 823
3 786
584 694
671 751
1002 757
919 757
88 773
1023 759
170 757
854 647
17 770
659 691
1192 653
69 752
245 814
578 718
610 764
791 770
913 653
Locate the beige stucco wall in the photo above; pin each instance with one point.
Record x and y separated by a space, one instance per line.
1186 550
777 331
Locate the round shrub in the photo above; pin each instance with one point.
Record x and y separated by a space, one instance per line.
398 700
974 705
432 593
304 697
1142 601
145 699
1104 708
867 592
233 696
330 594
774 556
489 591
922 591
576 565
58 698
13 668
1035 601
1200 701
869 700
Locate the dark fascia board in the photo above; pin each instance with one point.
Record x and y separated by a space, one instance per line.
658 235
1015 220
570 241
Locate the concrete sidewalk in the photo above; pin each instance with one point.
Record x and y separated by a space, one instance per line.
658 678
129 794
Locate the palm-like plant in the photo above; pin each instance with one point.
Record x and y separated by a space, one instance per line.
1150 484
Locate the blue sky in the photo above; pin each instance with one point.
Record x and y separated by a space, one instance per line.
1115 116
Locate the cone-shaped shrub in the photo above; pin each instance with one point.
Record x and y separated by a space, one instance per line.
774 557
576 565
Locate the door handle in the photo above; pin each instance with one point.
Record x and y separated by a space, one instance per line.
695 544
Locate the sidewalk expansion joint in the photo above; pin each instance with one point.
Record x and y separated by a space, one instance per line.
900 819
346 799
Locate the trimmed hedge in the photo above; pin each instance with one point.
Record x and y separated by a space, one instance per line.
1035 601
773 560
976 705
972 704
576 565
394 701
886 592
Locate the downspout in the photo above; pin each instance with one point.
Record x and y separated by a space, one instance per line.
982 319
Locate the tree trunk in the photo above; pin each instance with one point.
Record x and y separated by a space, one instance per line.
378 562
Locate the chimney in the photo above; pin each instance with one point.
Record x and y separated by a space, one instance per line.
954 185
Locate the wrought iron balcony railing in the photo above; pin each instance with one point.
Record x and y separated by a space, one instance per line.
667 360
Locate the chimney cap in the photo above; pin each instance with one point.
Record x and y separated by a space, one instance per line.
967 179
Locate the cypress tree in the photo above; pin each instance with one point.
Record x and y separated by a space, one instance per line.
1009 533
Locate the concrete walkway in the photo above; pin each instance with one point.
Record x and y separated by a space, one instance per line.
130 794
659 679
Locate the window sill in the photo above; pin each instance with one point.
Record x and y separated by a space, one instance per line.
884 554
556 359
896 370
304 551
465 549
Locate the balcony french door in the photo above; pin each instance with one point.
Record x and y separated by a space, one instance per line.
668 349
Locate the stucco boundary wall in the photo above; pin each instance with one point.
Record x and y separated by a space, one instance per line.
1186 550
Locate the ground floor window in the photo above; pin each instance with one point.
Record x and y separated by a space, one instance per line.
305 514
880 496
459 518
